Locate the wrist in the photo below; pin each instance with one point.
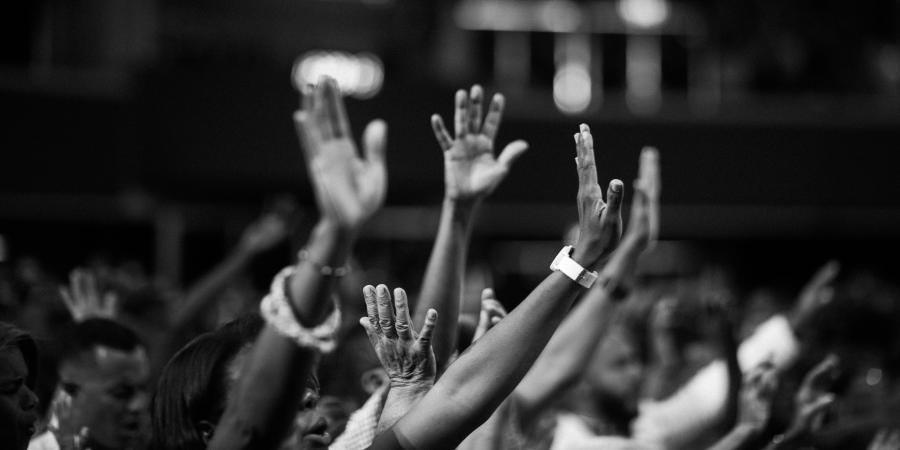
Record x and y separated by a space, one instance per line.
585 256
462 207
410 388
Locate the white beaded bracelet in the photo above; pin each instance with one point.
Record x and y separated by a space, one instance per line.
276 310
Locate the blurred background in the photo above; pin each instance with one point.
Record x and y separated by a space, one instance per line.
153 131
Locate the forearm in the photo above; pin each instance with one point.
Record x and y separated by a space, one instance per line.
488 371
400 399
735 375
259 416
567 353
740 437
571 347
204 292
443 280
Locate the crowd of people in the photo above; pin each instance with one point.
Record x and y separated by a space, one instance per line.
597 356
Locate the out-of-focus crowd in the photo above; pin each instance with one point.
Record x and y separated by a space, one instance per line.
601 354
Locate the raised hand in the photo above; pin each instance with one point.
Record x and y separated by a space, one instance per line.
813 398
471 171
817 293
492 312
643 223
886 440
348 188
406 356
83 297
757 393
264 233
599 222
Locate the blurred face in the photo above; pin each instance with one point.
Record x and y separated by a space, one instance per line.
105 391
18 404
616 373
310 428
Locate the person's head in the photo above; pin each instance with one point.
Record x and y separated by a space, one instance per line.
103 374
197 383
18 404
616 372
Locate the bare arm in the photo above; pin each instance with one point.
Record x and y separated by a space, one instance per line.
259 236
754 410
470 173
475 384
348 191
570 349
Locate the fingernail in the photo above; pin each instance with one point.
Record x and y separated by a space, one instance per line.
382 289
616 186
585 128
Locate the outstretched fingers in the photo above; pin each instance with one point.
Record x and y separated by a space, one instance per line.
371 308
374 141
461 113
424 339
476 98
614 194
403 321
337 115
385 311
823 374
584 149
512 152
440 132
494 116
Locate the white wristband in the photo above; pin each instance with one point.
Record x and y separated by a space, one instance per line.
565 264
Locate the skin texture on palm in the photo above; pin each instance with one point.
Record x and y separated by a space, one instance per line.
407 357
471 173
476 383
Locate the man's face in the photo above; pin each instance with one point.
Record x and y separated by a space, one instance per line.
616 372
18 404
108 395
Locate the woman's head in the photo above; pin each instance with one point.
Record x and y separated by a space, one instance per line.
192 391
18 404
196 384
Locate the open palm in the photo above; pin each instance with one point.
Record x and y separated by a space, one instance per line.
348 189
471 171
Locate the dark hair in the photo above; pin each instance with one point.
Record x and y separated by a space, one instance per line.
83 336
12 337
193 386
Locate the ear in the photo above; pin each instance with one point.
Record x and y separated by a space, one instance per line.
373 379
206 430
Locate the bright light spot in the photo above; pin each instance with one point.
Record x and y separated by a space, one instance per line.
559 16
358 75
644 13
572 88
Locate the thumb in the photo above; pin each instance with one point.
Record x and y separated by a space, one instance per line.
512 152
375 141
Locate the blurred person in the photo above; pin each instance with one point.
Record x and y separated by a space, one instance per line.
685 419
198 382
18 372
101 396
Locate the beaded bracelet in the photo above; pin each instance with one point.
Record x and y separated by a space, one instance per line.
276 310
